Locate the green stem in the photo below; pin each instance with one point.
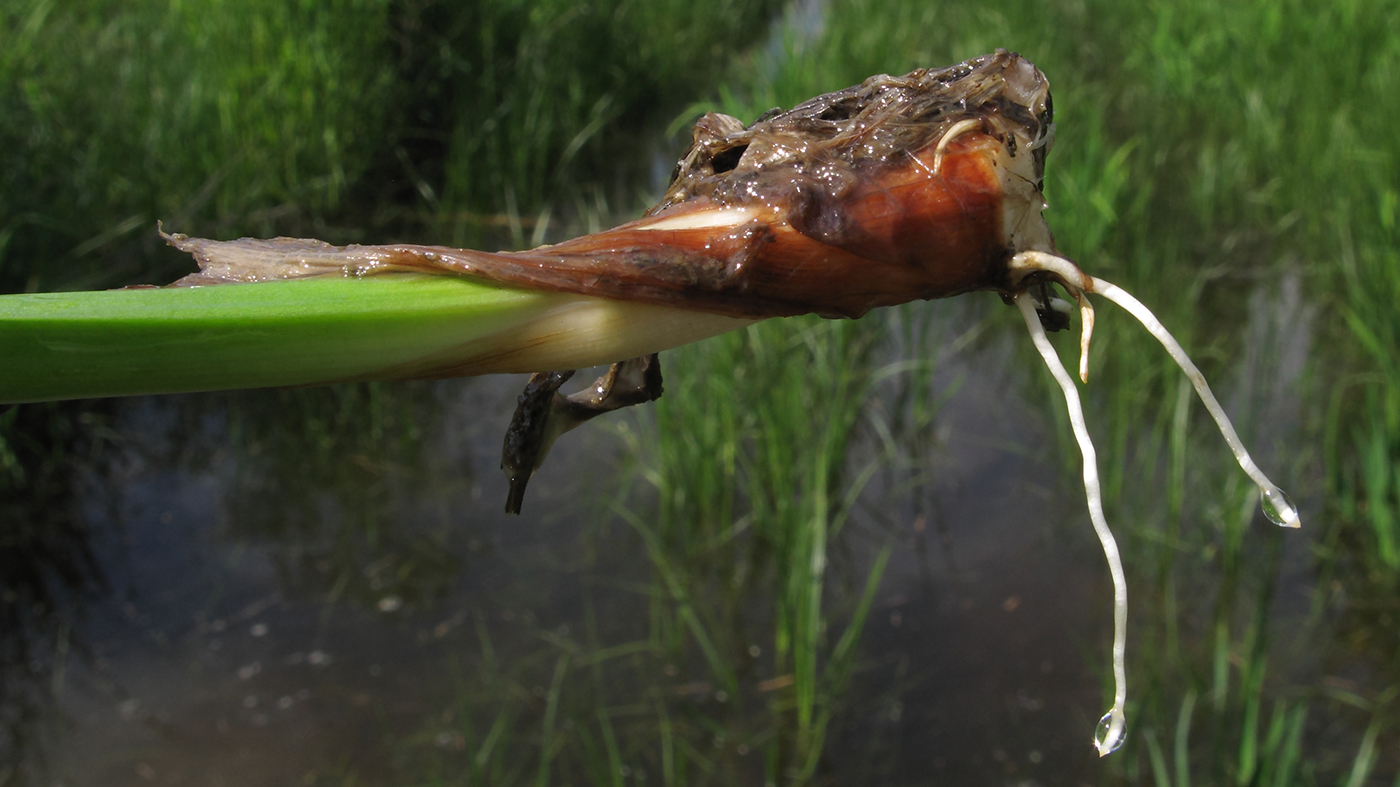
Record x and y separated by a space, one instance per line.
312 331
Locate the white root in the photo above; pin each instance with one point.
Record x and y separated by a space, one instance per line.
1114 722
1109 733
1277 505
1287 515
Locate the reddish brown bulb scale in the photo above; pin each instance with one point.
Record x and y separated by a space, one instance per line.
906 235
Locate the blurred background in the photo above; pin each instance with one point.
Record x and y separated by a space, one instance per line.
834 553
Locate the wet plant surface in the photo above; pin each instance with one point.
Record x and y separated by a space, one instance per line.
848 552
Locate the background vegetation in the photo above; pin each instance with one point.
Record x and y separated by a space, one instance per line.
1233 164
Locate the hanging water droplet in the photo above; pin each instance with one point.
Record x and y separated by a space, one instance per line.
1108 736
1278 508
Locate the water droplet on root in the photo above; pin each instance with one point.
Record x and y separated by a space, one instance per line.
1278 508
1106 739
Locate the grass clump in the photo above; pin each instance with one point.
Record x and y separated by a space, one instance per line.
113 115
755 480
321 118
501 114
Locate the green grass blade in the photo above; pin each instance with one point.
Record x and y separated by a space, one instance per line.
610 743
1366 755
551 711
1181 755
119 342
171 340
1155 758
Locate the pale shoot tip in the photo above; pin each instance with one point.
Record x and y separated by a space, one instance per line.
1086 334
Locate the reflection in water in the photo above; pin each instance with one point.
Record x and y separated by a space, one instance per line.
318 585
48 569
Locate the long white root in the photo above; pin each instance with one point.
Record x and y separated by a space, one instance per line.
1276 504
1109 734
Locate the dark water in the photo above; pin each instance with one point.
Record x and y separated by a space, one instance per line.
320 587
